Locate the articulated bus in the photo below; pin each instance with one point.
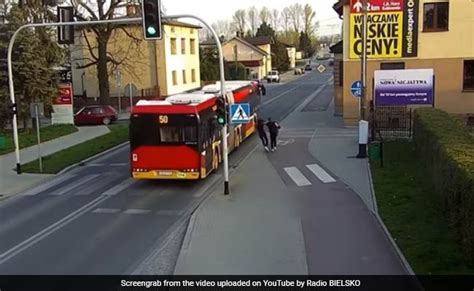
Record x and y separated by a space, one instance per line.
179 138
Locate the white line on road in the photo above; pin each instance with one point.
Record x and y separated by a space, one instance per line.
321 173
81 182
137 211
278 96
47 185
106 210
297 176
119 188
49 230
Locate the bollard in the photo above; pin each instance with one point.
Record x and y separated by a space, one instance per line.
363 139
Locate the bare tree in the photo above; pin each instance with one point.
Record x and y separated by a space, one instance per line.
296 15
308 19
240 20
275 15
252 14
286 19
224 28
105 61
265 15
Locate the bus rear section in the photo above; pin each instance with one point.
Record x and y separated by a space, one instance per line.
164 145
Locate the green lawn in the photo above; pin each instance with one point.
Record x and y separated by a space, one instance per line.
413 213
29 139
56 162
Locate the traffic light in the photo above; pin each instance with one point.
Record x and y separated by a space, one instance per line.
151 12
220 111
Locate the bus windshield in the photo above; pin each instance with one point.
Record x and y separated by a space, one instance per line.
155 129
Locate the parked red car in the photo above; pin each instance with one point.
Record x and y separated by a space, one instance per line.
96 114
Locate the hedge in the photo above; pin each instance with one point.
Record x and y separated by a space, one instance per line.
446 150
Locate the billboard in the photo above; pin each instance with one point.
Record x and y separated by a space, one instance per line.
62 106
403 87
392 28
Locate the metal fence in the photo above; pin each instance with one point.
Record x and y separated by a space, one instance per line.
391 122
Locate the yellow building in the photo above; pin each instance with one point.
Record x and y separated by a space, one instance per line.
170 65
253 53
424 34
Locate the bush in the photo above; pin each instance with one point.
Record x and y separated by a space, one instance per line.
446 150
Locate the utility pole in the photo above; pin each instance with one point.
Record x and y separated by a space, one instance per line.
363 71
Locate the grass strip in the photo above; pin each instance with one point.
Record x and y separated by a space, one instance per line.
54 163
412 212
29 139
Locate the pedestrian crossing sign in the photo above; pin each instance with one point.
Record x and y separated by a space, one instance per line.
240 113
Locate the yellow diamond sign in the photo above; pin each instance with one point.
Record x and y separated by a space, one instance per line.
321 68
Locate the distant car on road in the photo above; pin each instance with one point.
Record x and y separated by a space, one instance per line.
299 71
95 114
308 68
273 76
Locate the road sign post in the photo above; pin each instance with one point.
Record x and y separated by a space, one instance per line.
240 113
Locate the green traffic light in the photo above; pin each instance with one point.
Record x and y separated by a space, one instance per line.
151 30
220 120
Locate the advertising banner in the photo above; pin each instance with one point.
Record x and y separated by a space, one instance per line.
403 87
392 28
63 111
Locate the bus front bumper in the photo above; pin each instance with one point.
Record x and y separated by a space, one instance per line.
165 175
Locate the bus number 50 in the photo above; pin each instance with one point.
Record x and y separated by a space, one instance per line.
163 119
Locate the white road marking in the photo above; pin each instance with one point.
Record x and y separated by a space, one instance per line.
169 212
278 96
106 210
136 211
118 164
119 188
297 176
321 173
47 185
49 230
79 183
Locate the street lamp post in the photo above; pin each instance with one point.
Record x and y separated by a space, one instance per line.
363 124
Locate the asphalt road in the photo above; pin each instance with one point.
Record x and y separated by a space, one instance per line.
94 219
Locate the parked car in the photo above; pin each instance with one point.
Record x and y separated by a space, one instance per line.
273 76
96 114
308 67
299 71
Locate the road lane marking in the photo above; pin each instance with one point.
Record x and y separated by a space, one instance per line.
297 176
50 229
48 185
119 188
169 212
94 187
119 165
106 210
137 211
278 96
79 183
321 173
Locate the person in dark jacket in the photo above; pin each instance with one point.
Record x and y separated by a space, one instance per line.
262 134
273 128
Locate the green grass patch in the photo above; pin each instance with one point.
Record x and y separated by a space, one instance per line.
54 163
413 213
30 139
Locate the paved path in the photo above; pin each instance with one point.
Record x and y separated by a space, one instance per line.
11 183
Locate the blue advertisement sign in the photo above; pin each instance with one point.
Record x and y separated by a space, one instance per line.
403 87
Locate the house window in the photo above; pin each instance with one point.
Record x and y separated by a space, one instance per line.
193 75
341 73
435 16
468 83
392 66
192 46
184 77
173 46
183 46
175 78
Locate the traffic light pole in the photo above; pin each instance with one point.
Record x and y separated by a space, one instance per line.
119 21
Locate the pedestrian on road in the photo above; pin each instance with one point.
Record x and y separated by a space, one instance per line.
273 128
262 134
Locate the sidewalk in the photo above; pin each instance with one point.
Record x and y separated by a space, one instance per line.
256 230
11 183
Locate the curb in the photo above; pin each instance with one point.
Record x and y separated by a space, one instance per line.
402 258
68 168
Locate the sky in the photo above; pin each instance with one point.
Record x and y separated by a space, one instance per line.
213 10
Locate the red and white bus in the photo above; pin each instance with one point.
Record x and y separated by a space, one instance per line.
179 138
